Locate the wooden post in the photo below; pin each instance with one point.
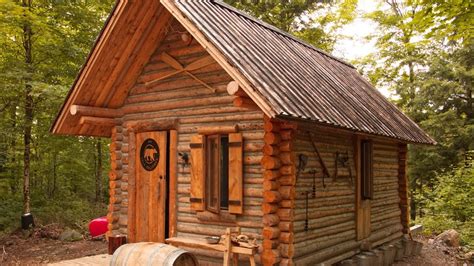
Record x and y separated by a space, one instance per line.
403 188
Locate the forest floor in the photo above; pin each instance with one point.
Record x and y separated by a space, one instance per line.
16 249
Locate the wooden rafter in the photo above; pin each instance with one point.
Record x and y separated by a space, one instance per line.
169 60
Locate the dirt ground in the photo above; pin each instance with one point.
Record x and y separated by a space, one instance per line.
434 254
16 249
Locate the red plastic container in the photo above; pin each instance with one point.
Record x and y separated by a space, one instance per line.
98 226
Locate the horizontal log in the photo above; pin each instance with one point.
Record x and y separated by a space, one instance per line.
271 196
286 250
95 111
270 257
286 158
286 226
234 89
287 192
208 130
270 243
271 138
271 127
268 208
287 237
98 121
271 150
244 102
270 185
270 220
271 174
271 232
270 162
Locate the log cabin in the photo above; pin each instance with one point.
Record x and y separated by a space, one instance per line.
220 120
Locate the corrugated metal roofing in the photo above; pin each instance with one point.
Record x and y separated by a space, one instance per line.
296 79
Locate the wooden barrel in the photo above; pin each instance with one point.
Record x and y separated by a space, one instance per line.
148 253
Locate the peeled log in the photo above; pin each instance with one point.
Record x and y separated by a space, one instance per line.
270 185
271 138
286 158
287 180
270 219
271 174
271 232
270 162
287 237
286 226
286 134
271 149
287 192
233 88
244 102
268 208
271 127
270 243
286 146
287 170
270 257
95 111
271 196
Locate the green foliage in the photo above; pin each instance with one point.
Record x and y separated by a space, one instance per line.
450 204
63 169
316 22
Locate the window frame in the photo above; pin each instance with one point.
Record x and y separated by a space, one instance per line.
366 170
216 154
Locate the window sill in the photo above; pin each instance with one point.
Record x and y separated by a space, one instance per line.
222 217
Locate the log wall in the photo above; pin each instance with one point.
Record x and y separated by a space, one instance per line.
195 106
331 233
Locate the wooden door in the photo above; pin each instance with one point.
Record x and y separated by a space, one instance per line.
151 184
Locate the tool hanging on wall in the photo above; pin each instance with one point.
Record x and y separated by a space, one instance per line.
313 172
342 159
306 221
321 162
302 161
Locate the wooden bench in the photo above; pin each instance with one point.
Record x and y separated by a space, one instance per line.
227 247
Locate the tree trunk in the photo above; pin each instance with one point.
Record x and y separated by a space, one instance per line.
28 116
98 174
13 167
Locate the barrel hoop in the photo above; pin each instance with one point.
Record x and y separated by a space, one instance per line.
173 255
156 251
129 253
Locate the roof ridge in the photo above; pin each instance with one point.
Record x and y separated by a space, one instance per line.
277 30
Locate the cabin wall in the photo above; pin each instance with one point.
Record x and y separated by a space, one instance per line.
331 233
195 105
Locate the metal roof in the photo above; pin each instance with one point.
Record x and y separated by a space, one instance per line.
298 80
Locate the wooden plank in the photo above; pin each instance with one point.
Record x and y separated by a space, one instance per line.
131 190
236 173
210 130
198 172
173 176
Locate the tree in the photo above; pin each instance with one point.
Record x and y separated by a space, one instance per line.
316 22
43 44
427 65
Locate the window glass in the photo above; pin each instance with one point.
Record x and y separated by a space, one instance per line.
366 169
212 182
224 172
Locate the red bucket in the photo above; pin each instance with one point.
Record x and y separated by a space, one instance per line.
98 226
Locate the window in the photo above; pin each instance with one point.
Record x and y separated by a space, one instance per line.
217 173
366 170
